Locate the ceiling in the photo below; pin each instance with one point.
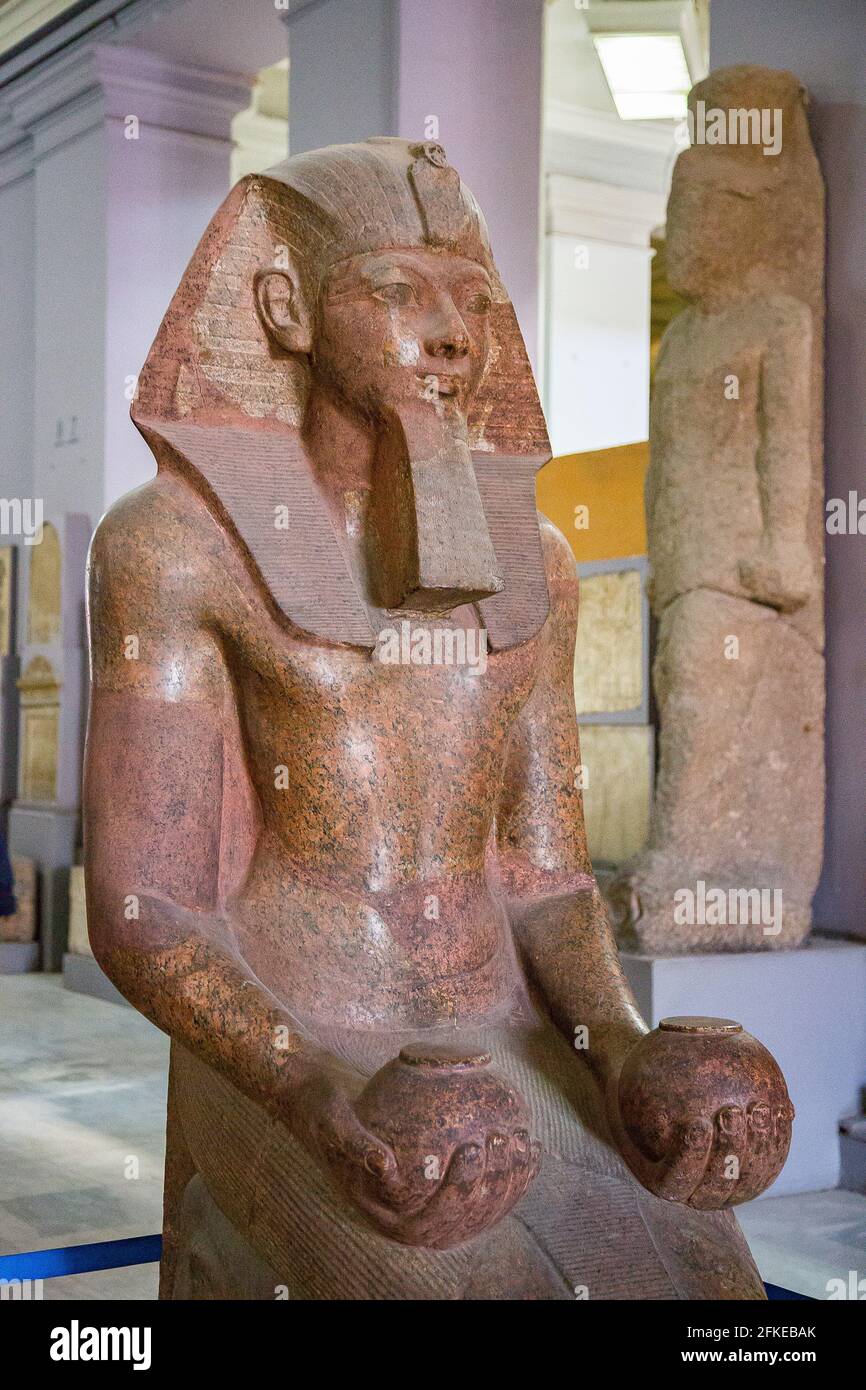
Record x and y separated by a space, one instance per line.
248 36
572 71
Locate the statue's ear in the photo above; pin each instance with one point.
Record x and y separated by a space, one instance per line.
282 309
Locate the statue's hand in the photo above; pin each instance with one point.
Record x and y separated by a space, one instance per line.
782 577
453 1163
701 1113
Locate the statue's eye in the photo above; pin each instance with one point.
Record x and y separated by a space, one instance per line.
479 303
397 293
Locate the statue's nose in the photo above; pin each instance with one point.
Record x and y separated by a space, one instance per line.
446 336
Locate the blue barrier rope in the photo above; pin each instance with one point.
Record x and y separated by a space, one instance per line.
81 1259
143 1250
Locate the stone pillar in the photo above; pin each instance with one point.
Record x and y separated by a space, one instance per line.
466 73
112 160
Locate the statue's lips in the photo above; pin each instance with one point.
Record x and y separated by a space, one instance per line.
445 384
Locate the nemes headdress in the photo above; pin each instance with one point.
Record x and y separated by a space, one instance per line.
214 397
349 199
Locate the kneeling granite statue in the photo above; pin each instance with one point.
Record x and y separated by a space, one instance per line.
334 836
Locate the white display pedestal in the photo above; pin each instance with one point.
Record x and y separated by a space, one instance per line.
84 976
806 1006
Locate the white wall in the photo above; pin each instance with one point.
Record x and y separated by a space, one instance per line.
70 316
163 190
605 191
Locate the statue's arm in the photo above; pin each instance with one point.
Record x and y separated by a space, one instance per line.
782 572
560 919
728 1144
155 764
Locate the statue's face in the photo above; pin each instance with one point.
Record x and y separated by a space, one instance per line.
399 327
709 225
689 233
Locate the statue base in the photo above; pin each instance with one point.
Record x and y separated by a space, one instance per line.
18 957
48 835
852 1142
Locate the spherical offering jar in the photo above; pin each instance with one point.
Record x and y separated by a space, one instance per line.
707 1083
435 1106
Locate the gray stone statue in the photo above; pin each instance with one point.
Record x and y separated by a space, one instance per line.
735 524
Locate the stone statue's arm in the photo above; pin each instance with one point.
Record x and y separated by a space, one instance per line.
782 572
560 919
157 780
711 1146
153 771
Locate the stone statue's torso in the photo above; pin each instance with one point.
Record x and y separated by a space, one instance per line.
703 489
377 786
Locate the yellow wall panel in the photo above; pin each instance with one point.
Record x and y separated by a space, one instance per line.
609 657
619 770
609 483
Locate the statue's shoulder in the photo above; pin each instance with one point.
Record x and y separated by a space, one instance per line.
678 328
559 562
767 320
158 540
785 315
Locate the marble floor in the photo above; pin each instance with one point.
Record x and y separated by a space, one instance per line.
806 1241
82 1117
82 1113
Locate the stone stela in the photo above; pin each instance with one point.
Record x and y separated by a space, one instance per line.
44 821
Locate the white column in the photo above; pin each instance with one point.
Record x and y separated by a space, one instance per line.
464 72
16 414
